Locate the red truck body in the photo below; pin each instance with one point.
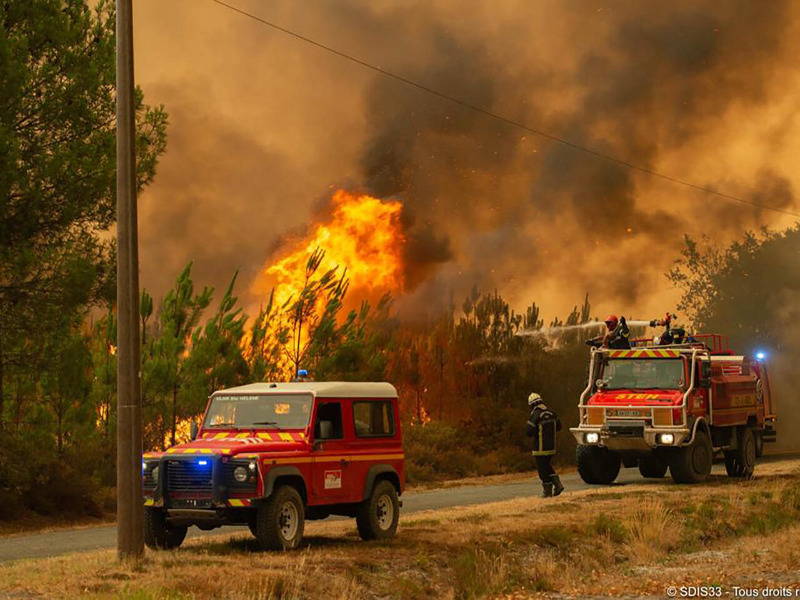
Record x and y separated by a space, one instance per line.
673 407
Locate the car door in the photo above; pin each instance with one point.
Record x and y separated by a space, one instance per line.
331 476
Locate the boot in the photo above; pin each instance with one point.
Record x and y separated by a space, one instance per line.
547 490
556 484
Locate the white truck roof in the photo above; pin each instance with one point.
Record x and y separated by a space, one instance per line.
323 389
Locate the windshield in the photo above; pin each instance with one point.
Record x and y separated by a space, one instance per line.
665 374
276 411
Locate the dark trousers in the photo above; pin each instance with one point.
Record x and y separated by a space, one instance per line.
544 467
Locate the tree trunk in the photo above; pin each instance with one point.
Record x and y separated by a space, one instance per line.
2 386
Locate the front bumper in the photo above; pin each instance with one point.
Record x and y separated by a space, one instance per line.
631 435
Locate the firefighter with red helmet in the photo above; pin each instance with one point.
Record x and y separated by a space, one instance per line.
542 426
616 337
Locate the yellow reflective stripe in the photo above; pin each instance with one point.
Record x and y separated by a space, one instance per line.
337 458
287 437
263 436
235 502
149 502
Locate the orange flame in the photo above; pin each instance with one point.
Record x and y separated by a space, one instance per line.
363 236
362 239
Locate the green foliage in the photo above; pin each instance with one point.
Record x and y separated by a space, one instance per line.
57 204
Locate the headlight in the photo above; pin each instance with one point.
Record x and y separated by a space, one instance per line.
666 438
592 438
240 474
154 474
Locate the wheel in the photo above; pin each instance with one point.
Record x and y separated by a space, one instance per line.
280 520
742 461
692 464
652 466
158 534
377 516
252 524
597 465
759 444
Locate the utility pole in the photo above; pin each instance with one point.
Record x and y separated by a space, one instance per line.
130 534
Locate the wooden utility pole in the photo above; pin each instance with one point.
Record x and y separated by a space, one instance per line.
130 534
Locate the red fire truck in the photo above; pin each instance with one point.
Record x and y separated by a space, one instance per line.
673 407
271 455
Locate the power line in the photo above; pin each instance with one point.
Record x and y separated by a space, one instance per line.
503 119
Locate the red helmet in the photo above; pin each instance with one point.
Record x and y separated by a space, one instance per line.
611 321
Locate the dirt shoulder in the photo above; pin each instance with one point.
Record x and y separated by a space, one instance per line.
633 541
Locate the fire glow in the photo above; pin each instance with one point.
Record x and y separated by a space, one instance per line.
362 239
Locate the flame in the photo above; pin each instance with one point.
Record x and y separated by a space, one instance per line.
183 431
363 236
361 239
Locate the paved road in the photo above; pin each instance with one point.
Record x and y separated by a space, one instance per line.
96 538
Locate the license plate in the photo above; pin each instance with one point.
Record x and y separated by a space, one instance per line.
628 413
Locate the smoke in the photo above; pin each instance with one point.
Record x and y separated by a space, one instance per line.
701 90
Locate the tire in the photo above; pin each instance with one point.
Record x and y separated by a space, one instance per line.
377 516
597 465
759 444
160 535
652 467
692 464
280 520
742 461
252 524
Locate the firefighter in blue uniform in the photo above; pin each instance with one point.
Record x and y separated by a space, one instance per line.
542 427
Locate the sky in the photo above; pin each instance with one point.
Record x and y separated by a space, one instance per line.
264 127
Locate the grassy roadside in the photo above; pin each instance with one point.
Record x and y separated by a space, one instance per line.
598 542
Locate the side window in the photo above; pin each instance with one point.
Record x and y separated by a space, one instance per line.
331 414
373 419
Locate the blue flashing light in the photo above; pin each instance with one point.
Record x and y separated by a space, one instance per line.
202 463
761 355
302 373
144 466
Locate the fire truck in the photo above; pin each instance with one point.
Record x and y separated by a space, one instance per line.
273 455
673 407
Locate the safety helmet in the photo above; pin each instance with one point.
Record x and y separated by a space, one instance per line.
534 399
611 321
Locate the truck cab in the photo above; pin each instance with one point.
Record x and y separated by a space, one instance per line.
660 407
272 455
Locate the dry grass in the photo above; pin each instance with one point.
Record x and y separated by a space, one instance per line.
582 543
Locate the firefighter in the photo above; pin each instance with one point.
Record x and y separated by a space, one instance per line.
542 426
616 337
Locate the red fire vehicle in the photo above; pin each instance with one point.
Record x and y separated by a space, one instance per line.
673 407
271 455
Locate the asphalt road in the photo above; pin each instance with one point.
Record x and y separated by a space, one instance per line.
67 541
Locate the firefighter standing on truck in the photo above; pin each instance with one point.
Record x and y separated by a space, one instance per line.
616 337
542 426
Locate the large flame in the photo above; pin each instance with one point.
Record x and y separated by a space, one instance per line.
362 239
363 236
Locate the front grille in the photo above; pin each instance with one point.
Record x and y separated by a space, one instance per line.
149 480
189 476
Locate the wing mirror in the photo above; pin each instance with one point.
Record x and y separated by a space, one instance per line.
324 432
193 430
